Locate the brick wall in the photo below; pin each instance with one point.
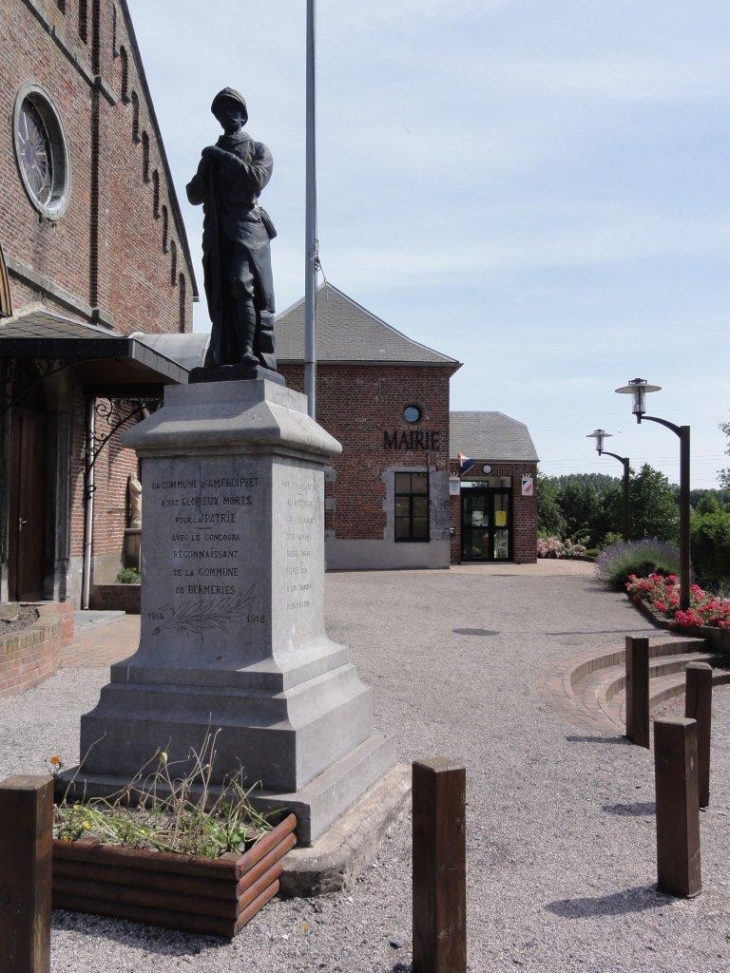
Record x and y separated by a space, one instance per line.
28 657
111 472
358 405
28 54
118 246
118 254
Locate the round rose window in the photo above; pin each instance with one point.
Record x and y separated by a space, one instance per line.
40 149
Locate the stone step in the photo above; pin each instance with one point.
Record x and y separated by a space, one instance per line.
660 646
670 686
603 689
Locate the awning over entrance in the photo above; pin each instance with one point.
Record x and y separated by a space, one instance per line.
103 361
122 378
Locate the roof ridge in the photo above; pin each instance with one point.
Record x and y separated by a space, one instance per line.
390 327
327 287
486 412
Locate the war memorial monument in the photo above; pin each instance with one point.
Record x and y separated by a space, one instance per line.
233 640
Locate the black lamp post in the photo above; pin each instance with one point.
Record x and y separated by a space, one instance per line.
599 435
638 387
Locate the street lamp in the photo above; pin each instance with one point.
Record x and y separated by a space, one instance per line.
599 435
638 388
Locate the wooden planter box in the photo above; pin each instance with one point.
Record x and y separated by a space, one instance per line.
116 597
217 897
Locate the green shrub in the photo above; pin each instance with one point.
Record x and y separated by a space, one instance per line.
641 558
611 538
128 576
711 546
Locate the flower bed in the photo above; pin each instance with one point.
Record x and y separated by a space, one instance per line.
214 896
707 615
554 547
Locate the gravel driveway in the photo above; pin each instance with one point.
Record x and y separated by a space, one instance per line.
561 836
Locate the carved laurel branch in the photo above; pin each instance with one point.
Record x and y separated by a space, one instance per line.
198 617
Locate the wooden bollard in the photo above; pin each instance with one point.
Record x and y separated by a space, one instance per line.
26 851
439 867
677 807
698 706
637 690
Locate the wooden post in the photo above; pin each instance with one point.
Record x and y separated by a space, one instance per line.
698 706
637 690
677 807
26 851
439 867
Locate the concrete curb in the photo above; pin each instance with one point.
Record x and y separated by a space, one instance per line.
335 860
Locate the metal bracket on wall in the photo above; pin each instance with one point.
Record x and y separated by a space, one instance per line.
114 414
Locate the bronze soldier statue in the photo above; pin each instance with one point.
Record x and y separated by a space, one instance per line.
236 254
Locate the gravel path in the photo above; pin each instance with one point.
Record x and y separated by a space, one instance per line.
561 837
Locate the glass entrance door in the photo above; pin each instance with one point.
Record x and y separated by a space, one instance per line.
485 524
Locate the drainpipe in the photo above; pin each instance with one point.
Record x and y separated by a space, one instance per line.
88 503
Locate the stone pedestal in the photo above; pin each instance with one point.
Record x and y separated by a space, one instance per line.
232 623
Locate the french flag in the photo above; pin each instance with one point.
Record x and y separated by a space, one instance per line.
464 463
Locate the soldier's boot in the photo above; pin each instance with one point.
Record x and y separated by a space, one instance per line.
247 325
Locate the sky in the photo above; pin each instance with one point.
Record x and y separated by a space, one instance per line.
539 190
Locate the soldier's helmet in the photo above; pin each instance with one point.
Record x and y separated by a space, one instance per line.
229 94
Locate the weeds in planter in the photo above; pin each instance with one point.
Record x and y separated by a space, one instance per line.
55 765
162 810
129 576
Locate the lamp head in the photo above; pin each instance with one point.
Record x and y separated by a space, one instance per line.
638 388
599 435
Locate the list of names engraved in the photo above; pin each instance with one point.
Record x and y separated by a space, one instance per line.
302 501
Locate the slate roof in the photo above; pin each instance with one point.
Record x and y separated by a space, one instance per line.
490 436
346 332
37 321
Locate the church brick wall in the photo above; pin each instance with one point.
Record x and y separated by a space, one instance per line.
118 249
118 255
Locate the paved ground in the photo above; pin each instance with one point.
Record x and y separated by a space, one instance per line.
561 837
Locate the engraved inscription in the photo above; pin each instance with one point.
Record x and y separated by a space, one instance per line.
200 616
302 500
206 517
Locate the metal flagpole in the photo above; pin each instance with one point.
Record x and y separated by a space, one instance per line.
311 256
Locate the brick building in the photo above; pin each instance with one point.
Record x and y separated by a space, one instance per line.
493 488
386 399
93 257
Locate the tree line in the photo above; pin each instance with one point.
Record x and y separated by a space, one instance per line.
587 508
